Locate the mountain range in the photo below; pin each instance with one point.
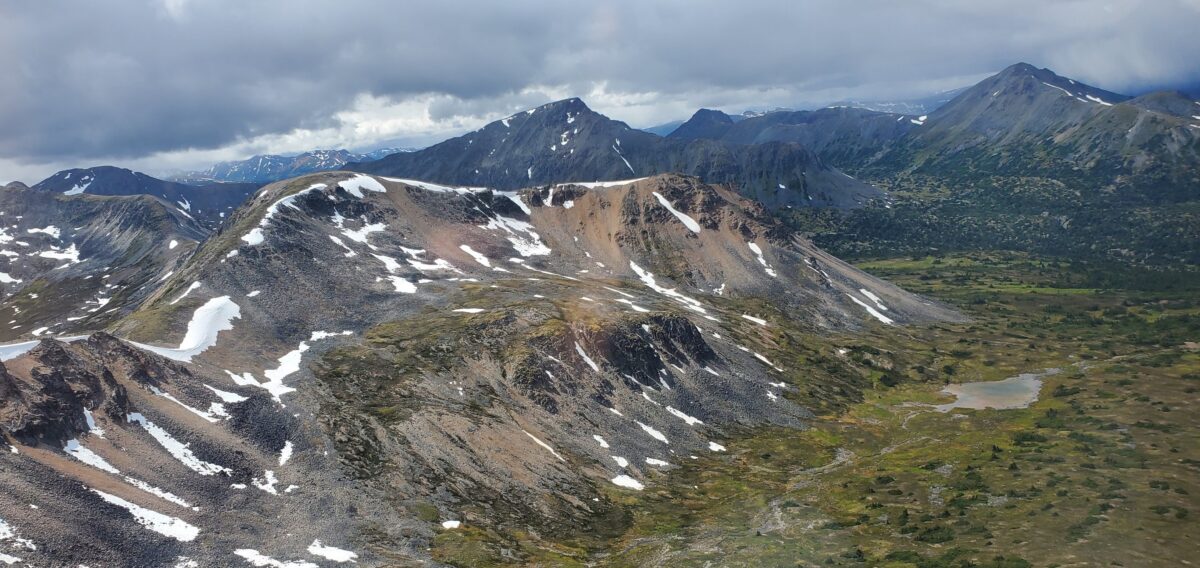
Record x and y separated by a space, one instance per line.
566 141
515 335
207 202
267 168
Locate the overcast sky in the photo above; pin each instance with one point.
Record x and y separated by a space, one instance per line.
162 85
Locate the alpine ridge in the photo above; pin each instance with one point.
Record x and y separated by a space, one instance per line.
566 141
501 323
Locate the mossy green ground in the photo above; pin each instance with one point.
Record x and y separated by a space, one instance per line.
1101 470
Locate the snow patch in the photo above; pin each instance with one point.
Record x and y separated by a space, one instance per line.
331 553
153 520
475 255
355 185
758 321
627 482
256 558
761 260
680 415
649 280
207 322
654 433
586 359
256 235
544 445
874 313
687 221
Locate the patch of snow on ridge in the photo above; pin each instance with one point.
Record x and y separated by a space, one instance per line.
544 445
7 533
77 451
259 560
687 221
185 293
208 321
516 198
286 453
475 255
177 449
436 187
761 260
524 239
649 280
874 313
70 254
680 415
586 359
600 184
256 236
355 185
93 429
654 433
48 230
153 520
873 298
627 482
331 553
79 188
227 396
758 321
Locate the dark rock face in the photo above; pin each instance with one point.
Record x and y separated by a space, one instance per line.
566 141
207 202
48 407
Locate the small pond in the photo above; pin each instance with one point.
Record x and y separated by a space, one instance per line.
1014 392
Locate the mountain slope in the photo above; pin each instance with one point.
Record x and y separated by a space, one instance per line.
117 457
78 262
207 202
1028 121
510 361
1028 160
566 141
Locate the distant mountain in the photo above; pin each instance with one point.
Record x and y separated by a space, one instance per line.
916 106
664 128
566 141
1030 160
267 168
1030 121
706 123
843 136
207 202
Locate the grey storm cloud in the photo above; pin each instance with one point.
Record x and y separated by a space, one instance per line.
89 79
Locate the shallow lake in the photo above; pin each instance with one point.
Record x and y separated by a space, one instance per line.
1014 392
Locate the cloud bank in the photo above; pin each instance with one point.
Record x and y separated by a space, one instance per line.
168 84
